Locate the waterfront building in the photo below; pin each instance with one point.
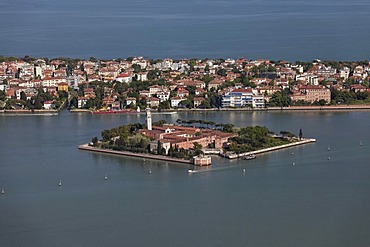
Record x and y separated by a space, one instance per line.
175 101
243 97
311 94
185 137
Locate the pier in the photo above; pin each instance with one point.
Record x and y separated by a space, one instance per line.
265 150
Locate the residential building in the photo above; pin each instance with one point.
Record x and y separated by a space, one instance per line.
243 97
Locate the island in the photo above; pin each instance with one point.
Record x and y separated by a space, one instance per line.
130 85
191 141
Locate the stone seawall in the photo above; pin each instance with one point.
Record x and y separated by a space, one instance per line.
86 147
265 150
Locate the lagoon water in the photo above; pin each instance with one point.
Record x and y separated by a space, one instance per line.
275 29
317 202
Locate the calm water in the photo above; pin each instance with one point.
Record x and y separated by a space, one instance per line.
317 202
275 29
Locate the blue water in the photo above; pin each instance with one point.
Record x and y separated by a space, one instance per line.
274 29
317 202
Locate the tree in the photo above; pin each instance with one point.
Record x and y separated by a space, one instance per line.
191 89
63 95
205 104
94 140
280 99
159 147
300 134
285 133
38 104
2 95
322 102
73 102
136 67
197 148
228 128
23 96
221 72
164 105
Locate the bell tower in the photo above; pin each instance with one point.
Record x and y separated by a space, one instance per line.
148 119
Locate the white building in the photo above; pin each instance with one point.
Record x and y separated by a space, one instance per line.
163 95
175 101
243 97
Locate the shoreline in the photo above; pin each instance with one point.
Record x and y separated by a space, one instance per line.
34 112
173 111
86 147
29 112
267 109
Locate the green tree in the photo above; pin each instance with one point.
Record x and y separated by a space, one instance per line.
221 72
300 134
2 95
23 96
74 102
94 140
159 148
205 104
197 149
38 104
280 98
228 128
285 133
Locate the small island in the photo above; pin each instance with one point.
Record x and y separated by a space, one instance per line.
191 141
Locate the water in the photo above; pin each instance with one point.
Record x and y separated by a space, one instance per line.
274 29
317 202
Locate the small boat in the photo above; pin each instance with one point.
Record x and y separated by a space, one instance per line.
250 157
360 143
293 164
105 177
60 183
2 191
243 170
190 171
150 171
328 148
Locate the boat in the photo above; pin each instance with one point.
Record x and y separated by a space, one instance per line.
190 171
164 113
2 191
60 183
105 177
249 157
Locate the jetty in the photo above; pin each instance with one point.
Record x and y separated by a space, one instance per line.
265 150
